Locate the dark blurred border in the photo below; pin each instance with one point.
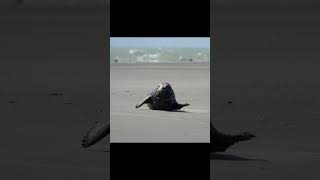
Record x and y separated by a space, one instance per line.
167 18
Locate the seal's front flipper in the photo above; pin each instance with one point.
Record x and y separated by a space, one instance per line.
95 134
144 101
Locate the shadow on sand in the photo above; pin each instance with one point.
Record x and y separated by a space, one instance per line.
181 111
98 150
107 149
229 157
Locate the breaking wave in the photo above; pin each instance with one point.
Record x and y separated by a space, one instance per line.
159 55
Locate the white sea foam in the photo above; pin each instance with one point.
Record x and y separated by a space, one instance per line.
159 55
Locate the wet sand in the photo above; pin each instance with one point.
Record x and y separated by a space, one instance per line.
131 83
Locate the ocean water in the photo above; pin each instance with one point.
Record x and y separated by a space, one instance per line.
159 55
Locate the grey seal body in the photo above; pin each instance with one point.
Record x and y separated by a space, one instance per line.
221 142
162 98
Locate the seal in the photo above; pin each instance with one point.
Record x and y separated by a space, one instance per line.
220 142
162 98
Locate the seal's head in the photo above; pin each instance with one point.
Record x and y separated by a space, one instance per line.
164 91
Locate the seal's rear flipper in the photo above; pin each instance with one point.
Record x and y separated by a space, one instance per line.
243 137
179 106
95 134
220 142
144 101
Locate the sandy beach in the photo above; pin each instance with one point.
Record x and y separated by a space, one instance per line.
53 88
130 83
267 63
